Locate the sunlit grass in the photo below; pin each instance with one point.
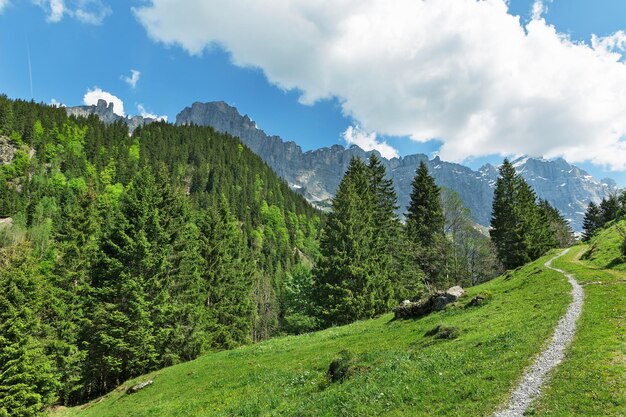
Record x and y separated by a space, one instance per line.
402 370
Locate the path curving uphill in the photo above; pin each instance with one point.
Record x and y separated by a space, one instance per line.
530 386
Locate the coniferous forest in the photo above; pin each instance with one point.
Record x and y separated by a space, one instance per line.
124 253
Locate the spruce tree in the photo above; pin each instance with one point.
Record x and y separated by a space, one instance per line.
592 221
561 234
610 209
77 247
425 229
345 286
27 380
424 219
519 229
387 227
128 275
228 276
507 230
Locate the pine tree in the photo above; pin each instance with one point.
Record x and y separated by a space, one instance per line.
424 220
592 221
178 311
387 228
610 209
127 277
561 234
76 242
519 229
228 276
507 230
344 286
27 380
425 229
6 116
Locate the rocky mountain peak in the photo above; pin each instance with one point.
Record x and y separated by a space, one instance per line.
105 112
317 173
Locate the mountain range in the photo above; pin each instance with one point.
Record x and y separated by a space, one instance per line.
316 174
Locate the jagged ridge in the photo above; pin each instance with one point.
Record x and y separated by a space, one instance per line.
316 174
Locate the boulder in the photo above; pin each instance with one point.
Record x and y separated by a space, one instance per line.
6 222
455 292
435 302
138 387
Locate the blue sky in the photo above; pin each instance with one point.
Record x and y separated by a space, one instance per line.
95 43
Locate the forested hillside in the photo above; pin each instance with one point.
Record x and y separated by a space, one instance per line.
125 253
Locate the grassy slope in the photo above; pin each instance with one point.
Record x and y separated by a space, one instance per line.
592 380
405 371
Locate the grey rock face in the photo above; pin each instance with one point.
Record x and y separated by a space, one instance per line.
316 174
7 151
105 112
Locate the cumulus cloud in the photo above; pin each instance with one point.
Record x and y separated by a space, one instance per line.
92 96
368 141
133 79
144 113
465 72
539 9
87 11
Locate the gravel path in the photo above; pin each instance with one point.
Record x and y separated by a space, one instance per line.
530 386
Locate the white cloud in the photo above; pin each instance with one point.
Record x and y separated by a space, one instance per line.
144 113
86 11
462 71
354 135
608 44
54 102
92 96
539 9
133 79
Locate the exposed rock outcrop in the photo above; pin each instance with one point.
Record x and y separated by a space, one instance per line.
7 150
105 112
316 174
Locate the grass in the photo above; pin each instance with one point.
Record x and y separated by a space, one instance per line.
463 361
592 379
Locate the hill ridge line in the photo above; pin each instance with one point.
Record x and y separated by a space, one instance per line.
534 378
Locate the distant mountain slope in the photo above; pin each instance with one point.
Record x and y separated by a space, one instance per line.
316 174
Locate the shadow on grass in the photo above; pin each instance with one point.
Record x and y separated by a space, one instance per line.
615 262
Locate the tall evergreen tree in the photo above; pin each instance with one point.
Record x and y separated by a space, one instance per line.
228 277
386 229
177 302
345 286
561 234
425 229
127 277
519 230
424 220
77 247
27 380
507 230
592 221
610 209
